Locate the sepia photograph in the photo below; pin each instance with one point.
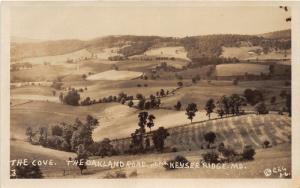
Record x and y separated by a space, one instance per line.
141 92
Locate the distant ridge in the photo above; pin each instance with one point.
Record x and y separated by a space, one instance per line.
283 34
129 45
14 39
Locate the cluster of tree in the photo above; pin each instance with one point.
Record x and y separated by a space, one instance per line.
121 98
152 103
71 98
136 49
88 101
20 66
228 154
140 140
253 96
211 45
288 101
117 58
178 162
227 105
261 108
63 136
140 85
211 60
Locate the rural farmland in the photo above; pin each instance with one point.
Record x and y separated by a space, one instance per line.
200 99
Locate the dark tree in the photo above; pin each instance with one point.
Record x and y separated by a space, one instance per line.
152 101
289 104
223 105
141 131
209 107
162 93
72 98
261 108
57 130
142 120
43 135
150 122
191 111
159 137
141 104
236 102
105 148
273 100
179 84
147 105
210 137
81 158
253 96
30 133
139 96
178 106
248 152
130 103
61 97
83 132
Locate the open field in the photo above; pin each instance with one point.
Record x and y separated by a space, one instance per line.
115 75
176 52
57 59
108 52
241 69
244 53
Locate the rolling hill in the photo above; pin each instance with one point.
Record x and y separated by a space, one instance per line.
129 45
284 34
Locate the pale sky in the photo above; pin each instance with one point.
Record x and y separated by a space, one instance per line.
58 22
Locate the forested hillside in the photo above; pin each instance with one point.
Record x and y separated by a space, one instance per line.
196 46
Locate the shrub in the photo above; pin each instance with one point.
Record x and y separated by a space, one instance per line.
55 142
179 161
266 144
248 153
211 157
179 84
130 104
117 174
228 152
133 174
174 149
29 171
57 130
261 108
